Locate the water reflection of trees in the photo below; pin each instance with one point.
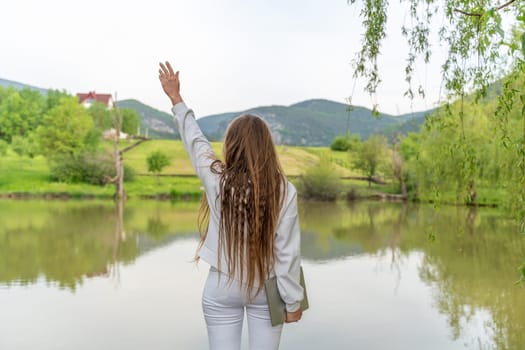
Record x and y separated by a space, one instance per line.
66 242
337 231
63 247
471 266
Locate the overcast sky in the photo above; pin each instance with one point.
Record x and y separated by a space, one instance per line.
232 54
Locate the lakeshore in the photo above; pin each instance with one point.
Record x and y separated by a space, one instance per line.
25 178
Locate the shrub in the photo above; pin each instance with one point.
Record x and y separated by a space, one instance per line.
157 161
66 169
340 143
320 182
346 143
92 168
129 173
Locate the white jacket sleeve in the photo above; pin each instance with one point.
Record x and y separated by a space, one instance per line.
288 255
196 144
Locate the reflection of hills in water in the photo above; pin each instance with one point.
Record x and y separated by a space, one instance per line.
330 249
146 243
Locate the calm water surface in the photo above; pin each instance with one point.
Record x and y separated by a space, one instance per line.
84 275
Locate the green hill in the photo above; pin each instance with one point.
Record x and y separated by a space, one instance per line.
159 124
412 123
316 122
308 123
19 86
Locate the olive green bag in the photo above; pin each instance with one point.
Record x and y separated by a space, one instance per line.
276 304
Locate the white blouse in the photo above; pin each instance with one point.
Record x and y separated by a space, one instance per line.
288 235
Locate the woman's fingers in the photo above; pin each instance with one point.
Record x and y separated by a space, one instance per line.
169 68
170 82
166 72
164 69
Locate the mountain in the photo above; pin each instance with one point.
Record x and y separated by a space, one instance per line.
309 123
316 122
19 86
159 124
413 122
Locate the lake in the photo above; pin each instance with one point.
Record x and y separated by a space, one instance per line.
86 275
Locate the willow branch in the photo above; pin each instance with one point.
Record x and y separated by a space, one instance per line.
479 14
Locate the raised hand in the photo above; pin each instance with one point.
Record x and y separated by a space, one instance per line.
170 82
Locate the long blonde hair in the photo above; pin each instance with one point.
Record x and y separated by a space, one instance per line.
252 191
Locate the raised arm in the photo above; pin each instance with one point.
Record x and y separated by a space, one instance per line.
194 141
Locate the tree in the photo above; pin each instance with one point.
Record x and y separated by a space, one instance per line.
54 97
3 147
4 92
32 148
26 146
441 164
157 161
64 129
102 118
472 30
409 147
18 145
398 167
370 156
482 57
92 139
20 112
130 121
118 158
118 154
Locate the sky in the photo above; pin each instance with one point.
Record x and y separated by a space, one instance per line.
232 55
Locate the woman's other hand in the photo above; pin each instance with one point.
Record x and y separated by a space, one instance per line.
170 82
293 316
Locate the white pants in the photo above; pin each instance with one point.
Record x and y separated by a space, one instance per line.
223 305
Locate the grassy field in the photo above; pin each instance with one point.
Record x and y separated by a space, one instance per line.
24 176
295 160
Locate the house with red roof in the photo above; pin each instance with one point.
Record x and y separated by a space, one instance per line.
91 97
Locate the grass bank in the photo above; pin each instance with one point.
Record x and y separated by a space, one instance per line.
22 177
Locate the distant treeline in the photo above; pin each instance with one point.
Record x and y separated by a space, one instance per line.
463 154
56 126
